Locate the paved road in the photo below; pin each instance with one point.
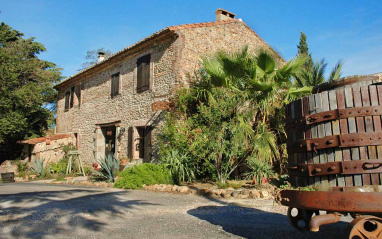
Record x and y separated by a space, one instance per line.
49 211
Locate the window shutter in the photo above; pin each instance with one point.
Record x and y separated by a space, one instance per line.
115 84
143 73
130 143
67 98
72 97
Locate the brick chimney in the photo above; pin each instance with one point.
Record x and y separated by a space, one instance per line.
222 14
101 56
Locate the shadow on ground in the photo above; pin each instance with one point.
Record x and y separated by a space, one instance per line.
254 223
38 214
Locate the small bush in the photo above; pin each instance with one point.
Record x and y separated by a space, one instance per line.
138 175
22 168
59 167
228 185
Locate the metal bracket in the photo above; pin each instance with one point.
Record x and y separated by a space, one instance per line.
342 141
343 114
343 167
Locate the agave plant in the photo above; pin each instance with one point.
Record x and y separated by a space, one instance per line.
109 165
38 166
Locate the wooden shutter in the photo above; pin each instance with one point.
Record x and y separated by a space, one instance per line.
67 98
72 97
148 150
115 84
130 142
143 73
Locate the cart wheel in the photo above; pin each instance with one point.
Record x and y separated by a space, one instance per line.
300 218
365 227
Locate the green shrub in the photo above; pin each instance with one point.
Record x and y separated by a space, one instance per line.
180 166
22 168
138 175
59 167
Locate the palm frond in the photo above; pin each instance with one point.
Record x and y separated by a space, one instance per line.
336 71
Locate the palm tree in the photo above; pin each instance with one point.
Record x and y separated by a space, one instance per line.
315 74
265 84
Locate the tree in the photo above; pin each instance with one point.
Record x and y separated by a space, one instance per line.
303 50
233 112
313 72
26 89
92 57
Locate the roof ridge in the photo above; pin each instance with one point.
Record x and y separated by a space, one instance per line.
171 29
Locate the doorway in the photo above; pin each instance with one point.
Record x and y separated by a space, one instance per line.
109 135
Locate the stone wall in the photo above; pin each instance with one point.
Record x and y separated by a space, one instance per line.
172 59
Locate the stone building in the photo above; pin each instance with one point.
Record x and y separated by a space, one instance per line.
114 106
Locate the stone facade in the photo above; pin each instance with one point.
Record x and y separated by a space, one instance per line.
175 52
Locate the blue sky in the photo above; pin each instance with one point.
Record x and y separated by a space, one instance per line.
348 30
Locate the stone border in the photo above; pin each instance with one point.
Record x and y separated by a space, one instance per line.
213 193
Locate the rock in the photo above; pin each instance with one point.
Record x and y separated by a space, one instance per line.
174 188
150 188
245 192
227 193
254 194
203 191
215 193
167 188
193 190
264 193
80 179
242 196
19 179
184 189
235 193
144 186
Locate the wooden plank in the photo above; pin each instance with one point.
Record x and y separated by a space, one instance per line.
294 138
308 135
379 149
321 133
328 132
314 132
344 130
377 128
336 131
300 135
358 101
353 129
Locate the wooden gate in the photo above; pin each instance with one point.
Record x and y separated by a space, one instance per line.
335 134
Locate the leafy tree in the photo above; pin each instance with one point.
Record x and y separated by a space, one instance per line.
313 72
92 57
26 89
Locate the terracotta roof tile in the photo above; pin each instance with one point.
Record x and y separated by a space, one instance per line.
43 139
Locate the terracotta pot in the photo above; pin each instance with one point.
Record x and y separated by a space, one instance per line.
124 161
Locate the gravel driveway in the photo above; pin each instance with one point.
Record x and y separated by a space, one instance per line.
30 210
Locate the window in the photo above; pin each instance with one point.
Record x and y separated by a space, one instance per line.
143 73
115 84
72 97
67 98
